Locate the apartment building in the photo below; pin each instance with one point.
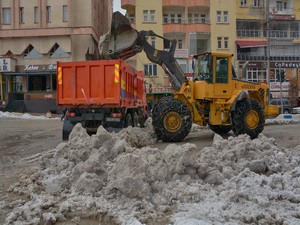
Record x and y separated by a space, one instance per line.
34 35
269 30
196 25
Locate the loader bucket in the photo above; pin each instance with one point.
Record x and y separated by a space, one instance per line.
121 42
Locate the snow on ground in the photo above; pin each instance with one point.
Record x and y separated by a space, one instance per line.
26 116
118 176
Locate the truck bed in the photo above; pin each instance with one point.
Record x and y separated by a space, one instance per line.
99 84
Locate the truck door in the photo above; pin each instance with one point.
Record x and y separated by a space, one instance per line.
222 79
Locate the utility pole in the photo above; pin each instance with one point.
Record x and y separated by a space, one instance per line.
268 47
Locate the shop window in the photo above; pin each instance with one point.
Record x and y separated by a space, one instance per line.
17 84
57 52
37 83
31 53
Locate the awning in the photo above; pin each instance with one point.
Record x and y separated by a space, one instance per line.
251 44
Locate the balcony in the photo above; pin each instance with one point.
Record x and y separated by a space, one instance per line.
193 3
263 57
127 3
186 28
174 3
282 34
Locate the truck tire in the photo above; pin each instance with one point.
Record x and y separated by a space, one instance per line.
219 129
128 120
135 120
172 120
248 118
67 128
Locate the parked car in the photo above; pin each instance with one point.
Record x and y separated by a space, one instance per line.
296 110
286 106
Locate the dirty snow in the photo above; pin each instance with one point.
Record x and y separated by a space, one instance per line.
26 116
121 179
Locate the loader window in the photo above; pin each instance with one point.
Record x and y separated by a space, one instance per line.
222 70
203 68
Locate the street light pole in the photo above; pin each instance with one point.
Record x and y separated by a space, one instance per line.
268 49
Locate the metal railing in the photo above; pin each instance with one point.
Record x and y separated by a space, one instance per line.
263 34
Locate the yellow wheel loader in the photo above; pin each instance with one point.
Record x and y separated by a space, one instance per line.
215 98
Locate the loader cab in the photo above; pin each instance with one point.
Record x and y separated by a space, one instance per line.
214 69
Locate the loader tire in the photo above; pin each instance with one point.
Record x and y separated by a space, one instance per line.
219 129
172 120
248 118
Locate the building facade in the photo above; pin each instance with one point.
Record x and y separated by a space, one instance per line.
34 35
204 25
268 35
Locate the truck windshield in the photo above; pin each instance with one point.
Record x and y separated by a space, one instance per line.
203 68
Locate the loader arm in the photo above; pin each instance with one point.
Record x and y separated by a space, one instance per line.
123 42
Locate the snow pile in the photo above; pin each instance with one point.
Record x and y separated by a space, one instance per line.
23 116
284 119
120 179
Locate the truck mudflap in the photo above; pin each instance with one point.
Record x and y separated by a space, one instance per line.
271 111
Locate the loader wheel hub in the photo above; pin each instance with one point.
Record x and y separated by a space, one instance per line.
252 119
172 121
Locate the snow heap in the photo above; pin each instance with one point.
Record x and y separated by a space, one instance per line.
120 179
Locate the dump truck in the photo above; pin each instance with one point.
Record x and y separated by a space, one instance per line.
108 93
215 98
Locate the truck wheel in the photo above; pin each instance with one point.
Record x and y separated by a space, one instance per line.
128 120
219 129
248 118
135 120
67 128
172 120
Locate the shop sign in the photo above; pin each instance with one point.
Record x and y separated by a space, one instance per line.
36 68
181 53
275 86
157 90
255 64
284 64
7 65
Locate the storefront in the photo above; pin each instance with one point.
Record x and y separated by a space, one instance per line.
281 73
31 88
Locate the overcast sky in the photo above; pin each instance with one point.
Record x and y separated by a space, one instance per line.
117 6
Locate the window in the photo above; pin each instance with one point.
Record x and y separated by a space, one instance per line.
152 15
179 18
145 15
57 52
31 53
172 18
36 14
256 3
166 18
17 84
179 44
203 18
219 14
190 18
150 70
6 15
219 42
222 70
243 3
21 16
225 13
48 16
132 18
65 13
196 18
225 42
281 5
153 42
